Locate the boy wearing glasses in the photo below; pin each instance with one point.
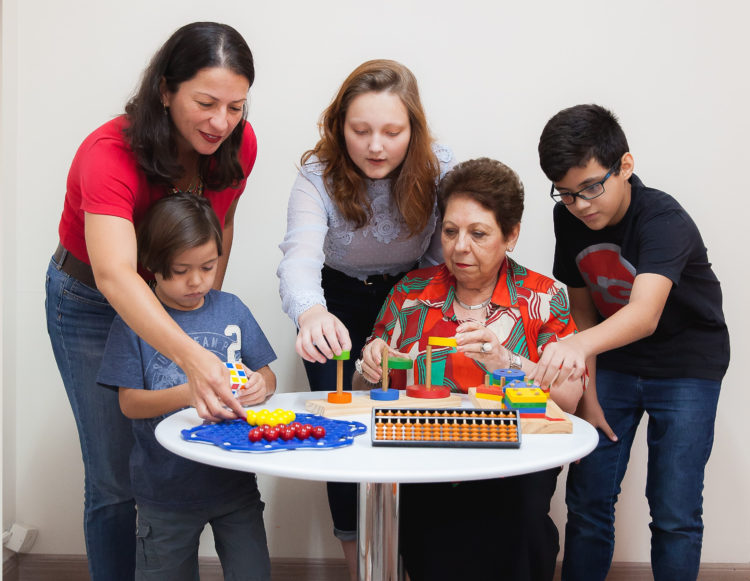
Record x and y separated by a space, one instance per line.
652 334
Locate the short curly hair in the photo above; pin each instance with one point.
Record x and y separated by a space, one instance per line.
490 183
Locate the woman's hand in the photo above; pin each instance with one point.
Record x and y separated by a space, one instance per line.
479 343
321 335
209 383
372 359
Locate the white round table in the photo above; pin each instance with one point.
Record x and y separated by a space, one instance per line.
379 469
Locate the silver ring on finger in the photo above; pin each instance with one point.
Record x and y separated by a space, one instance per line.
486 347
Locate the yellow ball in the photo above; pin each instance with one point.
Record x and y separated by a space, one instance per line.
262 417
277 417
251 417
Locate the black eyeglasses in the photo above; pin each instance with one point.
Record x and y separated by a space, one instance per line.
588 193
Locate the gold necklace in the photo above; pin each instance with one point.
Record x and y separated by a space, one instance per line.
195 187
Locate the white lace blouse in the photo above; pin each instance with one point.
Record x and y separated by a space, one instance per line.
317 233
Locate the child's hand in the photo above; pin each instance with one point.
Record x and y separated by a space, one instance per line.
254 391
561 361
593 413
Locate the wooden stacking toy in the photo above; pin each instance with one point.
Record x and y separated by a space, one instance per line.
383 393
429 391
340 396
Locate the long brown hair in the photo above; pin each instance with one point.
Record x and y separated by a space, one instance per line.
152 134
414 186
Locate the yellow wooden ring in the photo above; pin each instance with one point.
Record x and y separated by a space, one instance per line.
442 342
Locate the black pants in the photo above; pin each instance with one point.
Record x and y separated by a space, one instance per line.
357 305
484 529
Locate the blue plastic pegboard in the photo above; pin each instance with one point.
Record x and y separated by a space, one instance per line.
232 435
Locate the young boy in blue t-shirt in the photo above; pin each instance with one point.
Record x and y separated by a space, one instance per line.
180 241
652 334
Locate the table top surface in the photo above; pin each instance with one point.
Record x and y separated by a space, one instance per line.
362 462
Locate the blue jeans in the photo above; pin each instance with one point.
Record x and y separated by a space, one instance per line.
78 321
168 541
681 414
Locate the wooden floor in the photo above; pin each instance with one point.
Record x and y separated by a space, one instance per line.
73 568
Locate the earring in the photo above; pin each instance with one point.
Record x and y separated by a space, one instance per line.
166 112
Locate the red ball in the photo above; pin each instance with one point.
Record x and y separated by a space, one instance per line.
318 432
295 426
303 432
271 434
255 435
286 433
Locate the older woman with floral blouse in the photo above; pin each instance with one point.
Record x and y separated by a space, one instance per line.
502 315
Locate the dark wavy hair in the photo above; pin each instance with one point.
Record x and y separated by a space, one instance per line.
414 186
490 183
151 133
172 225
578 134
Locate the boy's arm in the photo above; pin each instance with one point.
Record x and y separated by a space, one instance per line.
139 404
584 314
639 318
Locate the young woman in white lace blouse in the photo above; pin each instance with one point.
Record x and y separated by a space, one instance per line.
361 214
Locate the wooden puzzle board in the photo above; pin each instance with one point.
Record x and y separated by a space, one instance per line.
362 404
557 424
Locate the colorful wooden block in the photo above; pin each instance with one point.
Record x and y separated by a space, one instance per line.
237 375
490 392
491 396
526 395
400 363
442 341
508 375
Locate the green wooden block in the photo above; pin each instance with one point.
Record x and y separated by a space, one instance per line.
400 363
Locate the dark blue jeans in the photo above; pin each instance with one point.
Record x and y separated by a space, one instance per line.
681 414
78 321
357 305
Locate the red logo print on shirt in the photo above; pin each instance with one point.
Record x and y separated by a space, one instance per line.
608 275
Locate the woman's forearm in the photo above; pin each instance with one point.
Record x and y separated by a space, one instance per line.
145 403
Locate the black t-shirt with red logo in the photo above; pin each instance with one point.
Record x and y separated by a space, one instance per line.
656 235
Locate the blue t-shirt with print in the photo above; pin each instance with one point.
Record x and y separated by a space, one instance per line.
224 326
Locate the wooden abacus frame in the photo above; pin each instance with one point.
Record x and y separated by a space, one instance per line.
445 428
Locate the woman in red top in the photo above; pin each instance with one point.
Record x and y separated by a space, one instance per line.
502 315
184 130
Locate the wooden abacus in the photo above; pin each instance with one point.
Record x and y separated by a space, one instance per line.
455 427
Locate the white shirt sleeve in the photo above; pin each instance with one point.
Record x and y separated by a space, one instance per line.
299 271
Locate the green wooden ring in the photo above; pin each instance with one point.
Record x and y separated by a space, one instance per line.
400 363
343 357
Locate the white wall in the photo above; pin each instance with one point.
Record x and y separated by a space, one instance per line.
491 74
